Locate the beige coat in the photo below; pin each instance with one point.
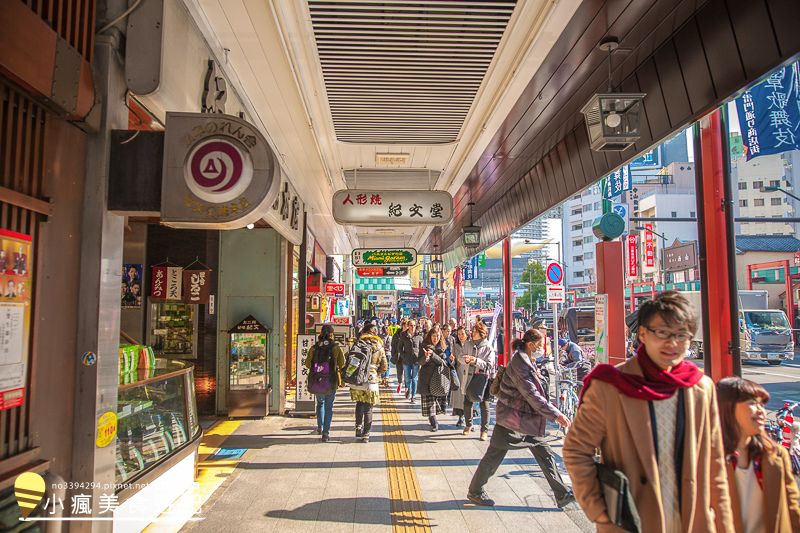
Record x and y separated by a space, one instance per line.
620 427
781 508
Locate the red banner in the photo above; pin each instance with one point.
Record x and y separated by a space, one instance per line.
196 286
369 272
334 288
648 245
633 263
159 286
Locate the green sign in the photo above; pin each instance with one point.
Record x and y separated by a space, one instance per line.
384 257
482 260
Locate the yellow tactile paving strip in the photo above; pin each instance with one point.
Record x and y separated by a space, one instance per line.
408 511
210 475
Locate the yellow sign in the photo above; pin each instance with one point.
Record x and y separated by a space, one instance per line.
106 429
29 489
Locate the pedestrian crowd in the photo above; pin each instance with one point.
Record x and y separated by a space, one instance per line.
655 444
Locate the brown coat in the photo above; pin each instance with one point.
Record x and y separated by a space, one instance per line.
620 427
781 508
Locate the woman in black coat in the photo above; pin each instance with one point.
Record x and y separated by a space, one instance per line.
434 375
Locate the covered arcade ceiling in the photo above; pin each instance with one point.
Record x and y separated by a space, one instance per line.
478 98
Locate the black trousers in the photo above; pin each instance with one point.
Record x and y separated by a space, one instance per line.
503 440
364 417
468 405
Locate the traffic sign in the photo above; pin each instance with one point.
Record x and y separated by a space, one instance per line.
797 259
622 210
555 274
555 294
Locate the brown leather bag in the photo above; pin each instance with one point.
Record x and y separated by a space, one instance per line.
494 390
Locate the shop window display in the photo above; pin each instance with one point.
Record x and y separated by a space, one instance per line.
157 413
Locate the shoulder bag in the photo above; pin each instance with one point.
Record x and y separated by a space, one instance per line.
616 491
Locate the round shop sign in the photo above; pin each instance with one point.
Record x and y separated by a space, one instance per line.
89 358
106 429
218 170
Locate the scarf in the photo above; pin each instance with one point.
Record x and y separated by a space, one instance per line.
655 384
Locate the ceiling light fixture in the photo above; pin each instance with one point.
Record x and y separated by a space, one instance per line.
471 234
613 119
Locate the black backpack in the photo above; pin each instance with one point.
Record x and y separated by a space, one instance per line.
356 366
321 379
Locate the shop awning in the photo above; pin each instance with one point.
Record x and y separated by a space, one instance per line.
383 284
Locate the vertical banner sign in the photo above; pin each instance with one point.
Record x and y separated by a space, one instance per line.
159 287
174 287
196 286
633 263
16 295
304 344
600 320
618 182
769 114
648 245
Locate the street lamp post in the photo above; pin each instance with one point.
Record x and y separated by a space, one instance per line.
775 189
663 254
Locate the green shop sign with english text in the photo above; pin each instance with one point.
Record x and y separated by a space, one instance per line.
384 257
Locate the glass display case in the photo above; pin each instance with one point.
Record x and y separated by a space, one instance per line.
157 418
249 378
171 329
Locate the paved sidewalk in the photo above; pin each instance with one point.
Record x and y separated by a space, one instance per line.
289 480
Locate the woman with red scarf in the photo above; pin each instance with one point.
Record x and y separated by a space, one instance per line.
655 419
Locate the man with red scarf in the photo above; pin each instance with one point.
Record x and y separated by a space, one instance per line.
654 418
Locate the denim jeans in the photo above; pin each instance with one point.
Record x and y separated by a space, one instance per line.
410 373
325 412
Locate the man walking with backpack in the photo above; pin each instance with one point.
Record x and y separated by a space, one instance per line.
324 360
397 338
366 360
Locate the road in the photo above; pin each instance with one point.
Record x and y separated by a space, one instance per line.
782 382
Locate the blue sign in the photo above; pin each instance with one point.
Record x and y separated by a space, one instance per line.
555 274
769 114
650 159
622 210
618 182
432 288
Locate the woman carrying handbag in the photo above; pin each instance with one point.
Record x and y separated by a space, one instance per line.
434 375
480 359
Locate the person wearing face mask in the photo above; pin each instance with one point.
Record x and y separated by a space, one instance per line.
457 396
522 413
655 419
763 492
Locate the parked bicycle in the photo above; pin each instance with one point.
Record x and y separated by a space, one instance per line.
786 432
567 387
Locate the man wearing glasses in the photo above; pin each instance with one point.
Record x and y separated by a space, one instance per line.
655 419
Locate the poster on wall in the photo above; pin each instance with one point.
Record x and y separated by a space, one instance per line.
15 316
131 286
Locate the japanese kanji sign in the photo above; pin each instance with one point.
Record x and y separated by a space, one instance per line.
618 182
362 207
391 272
304 344
159 287
219 172
630 252
196 286
384 257
174 280
769 114
649 249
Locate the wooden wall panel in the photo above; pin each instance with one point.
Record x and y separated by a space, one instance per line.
672 84
755 39
694 67
785 27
